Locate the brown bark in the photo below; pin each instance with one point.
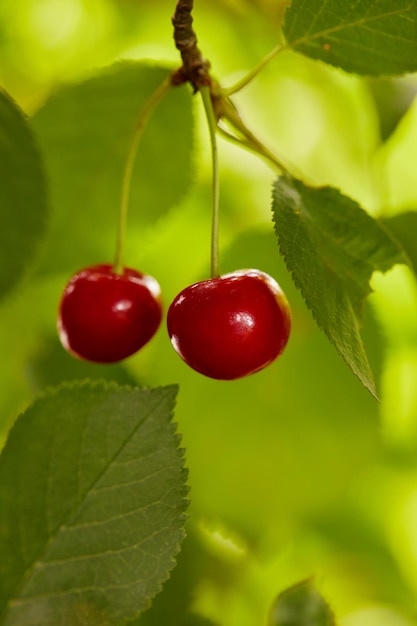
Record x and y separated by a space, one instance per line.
195 68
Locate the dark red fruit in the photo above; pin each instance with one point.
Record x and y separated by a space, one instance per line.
231 326
105 317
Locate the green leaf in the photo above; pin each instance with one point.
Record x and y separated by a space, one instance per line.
404 228
332 246
301 605
23 203
373 38
85 132
176 605
92 506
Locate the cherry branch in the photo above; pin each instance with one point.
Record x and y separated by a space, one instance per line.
195 68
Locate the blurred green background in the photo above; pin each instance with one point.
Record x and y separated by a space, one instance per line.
295 471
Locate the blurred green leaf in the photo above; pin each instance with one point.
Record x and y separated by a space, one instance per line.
301 605
196 620
23 202
332 247
85 132
357 529
392 98
92 500
377 38
403 226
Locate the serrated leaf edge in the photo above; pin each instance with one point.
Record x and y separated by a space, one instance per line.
51 391
371 386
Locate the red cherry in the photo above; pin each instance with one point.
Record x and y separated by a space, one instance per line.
231 326
105 317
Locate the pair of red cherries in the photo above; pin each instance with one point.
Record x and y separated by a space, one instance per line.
225 327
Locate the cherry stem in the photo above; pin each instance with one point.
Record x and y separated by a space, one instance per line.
212 125
245 137
144 117
243 82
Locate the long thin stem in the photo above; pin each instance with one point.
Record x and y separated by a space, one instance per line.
212 124
232 118
242 135
229 91
245 143
145 114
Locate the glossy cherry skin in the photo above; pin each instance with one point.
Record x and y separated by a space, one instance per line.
231 326
105 317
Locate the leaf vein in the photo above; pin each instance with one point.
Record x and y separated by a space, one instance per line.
354 24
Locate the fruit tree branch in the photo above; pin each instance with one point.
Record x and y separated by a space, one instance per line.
195 68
